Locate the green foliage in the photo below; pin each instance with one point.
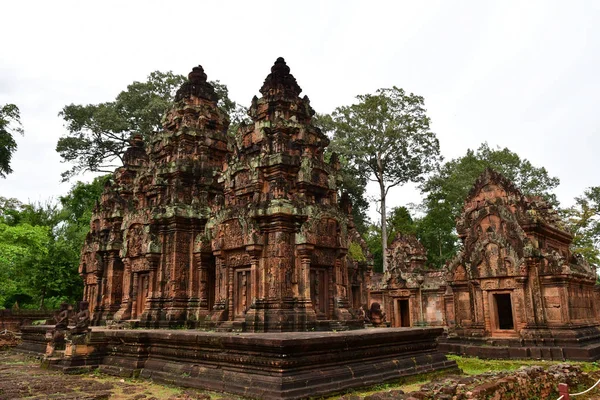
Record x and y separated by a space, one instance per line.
373 239
21 247
583 219
386 139
349 181
10 124
40 246
355 252
400 222
98 134
476 366
447 189
238 114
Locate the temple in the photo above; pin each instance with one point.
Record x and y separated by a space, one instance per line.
517 289
243 232
410 293
248 232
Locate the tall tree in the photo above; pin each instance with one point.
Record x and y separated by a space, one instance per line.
10 124
98 134
386 138
445 192
583 219
349 182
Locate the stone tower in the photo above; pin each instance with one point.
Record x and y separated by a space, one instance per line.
137 260
239 232
280 239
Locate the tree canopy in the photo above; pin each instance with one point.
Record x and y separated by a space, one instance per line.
445 192
386 139
399 221
10 124
583 219
40 246
350 181
98 134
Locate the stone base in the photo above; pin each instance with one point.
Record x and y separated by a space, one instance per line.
269 365
546 348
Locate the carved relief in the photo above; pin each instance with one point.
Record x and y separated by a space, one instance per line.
514 246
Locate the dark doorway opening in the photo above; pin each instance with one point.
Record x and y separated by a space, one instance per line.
356 303
404 313
504 311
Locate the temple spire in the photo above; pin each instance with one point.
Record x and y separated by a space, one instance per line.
280 81
196 86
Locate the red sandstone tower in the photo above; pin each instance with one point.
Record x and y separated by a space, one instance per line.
235 233
280 240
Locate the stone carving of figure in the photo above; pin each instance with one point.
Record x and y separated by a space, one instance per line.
361 315
62 317
377 316
82 319
56 336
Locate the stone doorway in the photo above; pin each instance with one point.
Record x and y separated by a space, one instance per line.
142 295
242 296
402 313
319 287
504 312
356 297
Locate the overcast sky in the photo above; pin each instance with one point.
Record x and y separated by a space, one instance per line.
518 74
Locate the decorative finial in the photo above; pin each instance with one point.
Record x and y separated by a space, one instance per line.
280 67
280 81
196 86
197 75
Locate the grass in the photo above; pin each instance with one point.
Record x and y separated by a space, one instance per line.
469 366
407 384
475 366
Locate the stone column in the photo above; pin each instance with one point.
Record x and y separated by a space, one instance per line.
219 312
134 296
152 310
124 312
304 253
563 290
202 265
255 252
522 313
229 290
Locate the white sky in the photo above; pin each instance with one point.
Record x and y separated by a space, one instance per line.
520 74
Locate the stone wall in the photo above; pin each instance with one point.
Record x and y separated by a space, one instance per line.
12 320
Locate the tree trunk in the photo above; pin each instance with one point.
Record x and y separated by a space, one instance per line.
42 299
384 234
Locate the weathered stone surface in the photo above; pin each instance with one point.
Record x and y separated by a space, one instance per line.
517 289
288 365
279 241
13 319
411 294
242 233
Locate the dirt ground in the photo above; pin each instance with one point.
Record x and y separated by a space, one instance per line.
22 378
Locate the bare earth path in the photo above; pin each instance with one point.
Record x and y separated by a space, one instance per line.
22 378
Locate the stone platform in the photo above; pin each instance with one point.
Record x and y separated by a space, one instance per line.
571 345
267 366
